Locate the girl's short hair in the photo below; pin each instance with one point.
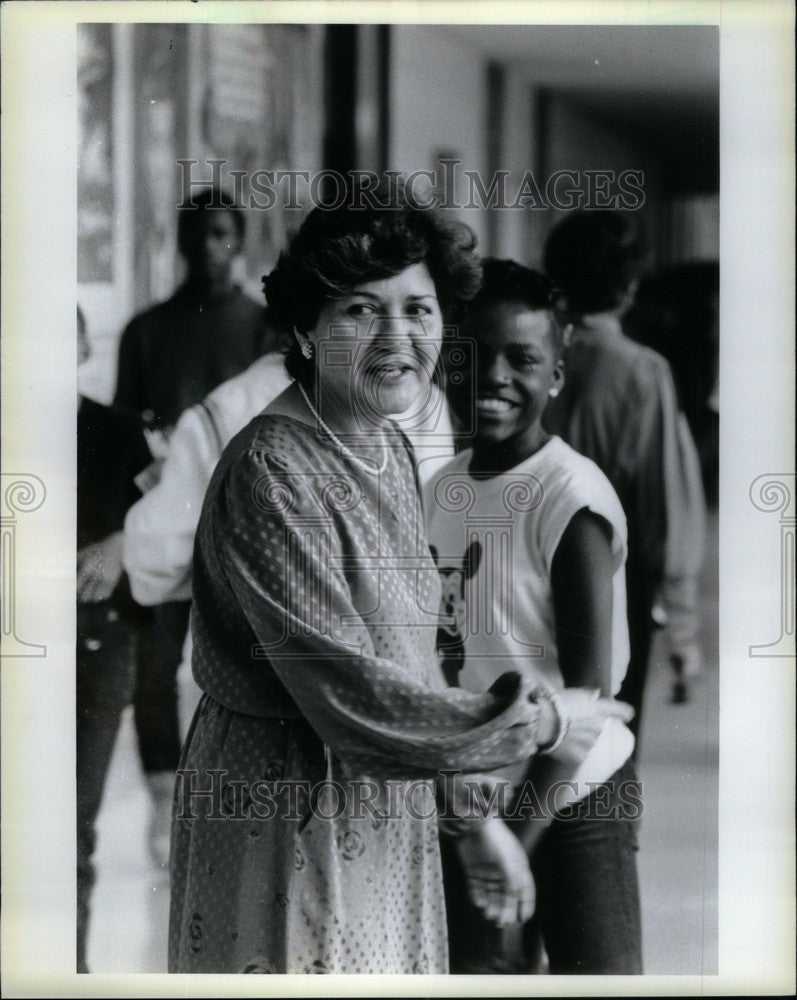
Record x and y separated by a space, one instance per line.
508 281
337 249
594 257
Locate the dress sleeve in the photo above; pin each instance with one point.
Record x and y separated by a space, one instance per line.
160 528
283 563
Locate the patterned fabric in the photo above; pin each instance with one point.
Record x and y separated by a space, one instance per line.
309 895
315 615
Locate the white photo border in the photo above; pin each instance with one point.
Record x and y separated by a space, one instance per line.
757 695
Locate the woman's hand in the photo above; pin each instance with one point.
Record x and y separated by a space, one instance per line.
499 878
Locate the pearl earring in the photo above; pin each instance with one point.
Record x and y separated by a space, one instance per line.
553 392
307 349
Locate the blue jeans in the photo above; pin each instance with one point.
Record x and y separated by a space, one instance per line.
588 911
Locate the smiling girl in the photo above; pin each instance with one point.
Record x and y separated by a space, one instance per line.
534 538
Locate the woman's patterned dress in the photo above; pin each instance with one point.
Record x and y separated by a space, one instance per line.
305 835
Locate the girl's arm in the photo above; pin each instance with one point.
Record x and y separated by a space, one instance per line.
581 580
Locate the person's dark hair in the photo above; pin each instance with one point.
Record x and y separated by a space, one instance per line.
508 281
594 257
336 249
675 313
210 199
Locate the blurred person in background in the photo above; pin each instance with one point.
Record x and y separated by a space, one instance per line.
111 451
160 527
676 313
171 356
619 407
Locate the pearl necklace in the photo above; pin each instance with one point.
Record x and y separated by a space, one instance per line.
365 466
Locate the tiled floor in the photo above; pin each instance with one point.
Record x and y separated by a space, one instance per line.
678 838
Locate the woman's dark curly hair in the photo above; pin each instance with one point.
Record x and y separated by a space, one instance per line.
337 249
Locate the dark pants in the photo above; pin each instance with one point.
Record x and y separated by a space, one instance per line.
588 912
159 650
104 687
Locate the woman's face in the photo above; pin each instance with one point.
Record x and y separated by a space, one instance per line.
377 346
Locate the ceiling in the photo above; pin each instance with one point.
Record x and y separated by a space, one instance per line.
660 84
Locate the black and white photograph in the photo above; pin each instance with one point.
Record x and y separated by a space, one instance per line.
398 497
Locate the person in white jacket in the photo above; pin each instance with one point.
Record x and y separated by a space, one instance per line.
160 527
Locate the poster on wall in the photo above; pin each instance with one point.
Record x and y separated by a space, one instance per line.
257 86
95 184
160 66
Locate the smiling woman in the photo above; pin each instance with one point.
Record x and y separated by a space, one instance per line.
365 293
388 333
314 620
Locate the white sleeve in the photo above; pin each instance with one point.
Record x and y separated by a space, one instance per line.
159 529
588 489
